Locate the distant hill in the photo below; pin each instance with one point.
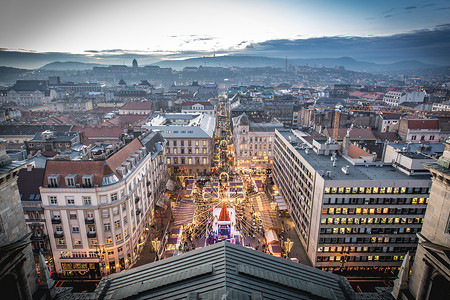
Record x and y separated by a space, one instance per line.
261 61
69 65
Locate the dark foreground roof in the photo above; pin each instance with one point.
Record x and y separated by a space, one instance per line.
224 271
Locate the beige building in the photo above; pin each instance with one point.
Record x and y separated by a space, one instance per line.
190 143
430 278
253 143
98 212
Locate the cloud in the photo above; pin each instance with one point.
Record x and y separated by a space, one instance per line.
410 7
430 46
388 16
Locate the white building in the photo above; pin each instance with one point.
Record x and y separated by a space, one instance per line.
190 141
98 211
395 98
192 107
253 142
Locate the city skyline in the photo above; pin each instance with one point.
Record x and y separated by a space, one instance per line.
175 29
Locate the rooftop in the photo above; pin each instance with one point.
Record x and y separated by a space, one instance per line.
357 172
224 271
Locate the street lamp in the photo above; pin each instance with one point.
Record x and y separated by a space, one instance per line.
288 246
156 243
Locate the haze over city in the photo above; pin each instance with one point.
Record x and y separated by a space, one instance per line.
109 31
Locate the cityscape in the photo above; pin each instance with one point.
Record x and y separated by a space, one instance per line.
242 150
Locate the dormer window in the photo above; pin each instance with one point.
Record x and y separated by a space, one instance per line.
122 171
131 161
127 166
71 179
88 180
136 158
53 180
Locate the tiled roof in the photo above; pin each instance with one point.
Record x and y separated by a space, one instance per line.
98 168
121 156
12 130
29 182
423 124
137 105
355 152
391 116
99 132
80 168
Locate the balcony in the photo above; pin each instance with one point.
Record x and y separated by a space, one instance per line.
58 234
56 220
136 200
38 237
89 220
91 234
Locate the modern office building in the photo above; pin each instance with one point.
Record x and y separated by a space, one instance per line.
253 142
98 212
190 141
350 210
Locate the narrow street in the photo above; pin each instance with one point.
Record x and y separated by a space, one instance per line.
193 203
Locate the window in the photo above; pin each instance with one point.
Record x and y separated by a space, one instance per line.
70 201
53 180
77 243
93 242
87 200
115 211
61 241
114 197
53 200
58 228
107 226
70 179
125 221
88 180
204 143
75 229
413 138
117 224
109 240
119 237
72 215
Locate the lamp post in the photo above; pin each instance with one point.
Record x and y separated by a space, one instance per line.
155 244
288 246
100 252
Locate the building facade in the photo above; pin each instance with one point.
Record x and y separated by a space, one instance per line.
18 277
348 217
430 278
253 143
190 141
97 212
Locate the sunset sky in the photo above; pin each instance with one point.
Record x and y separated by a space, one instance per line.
204 25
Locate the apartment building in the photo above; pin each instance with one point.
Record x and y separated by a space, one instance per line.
190 141
350 213
395 98
97 212
253 143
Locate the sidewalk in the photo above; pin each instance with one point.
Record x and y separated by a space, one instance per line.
297 250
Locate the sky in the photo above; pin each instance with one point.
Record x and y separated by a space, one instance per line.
202 25
174 29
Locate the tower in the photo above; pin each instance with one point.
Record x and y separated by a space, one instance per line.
135 64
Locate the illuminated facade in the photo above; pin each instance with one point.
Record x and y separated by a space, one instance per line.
97 212
253 143
363 216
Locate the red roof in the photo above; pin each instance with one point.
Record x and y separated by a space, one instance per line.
423 124
96 132
137 106
224 213
98 168
355 152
